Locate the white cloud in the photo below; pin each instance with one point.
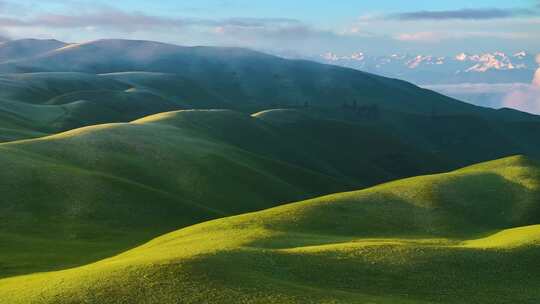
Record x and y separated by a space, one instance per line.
478 88
465 14
439 36
372 31
520 96
527 100
420 36
536 80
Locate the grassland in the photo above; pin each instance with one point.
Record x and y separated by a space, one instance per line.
82 195
468 236
98 169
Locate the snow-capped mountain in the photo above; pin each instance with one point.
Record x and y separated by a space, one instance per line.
495 67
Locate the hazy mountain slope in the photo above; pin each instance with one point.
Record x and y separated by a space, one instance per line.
27 100
246 78
98 189
448 238
180 90
21 120
38 88
26 48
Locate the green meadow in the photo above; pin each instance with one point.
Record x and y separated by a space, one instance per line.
101 189
467 236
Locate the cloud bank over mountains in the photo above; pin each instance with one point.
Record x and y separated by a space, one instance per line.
527 98
493 79
446 29
442 30
520 96
465 14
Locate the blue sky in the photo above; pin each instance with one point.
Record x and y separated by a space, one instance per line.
295 27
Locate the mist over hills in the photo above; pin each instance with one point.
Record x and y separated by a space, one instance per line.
206 77
242 76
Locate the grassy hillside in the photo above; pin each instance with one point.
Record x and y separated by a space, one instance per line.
189 94
466 139
100 189
38 104
99 156
362 154
35 104
466 236
28 107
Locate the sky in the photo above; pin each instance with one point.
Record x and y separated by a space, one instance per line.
301 27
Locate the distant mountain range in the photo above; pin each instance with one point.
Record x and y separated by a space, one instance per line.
25 48
491 67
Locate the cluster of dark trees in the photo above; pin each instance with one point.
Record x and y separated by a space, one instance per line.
298 105
370 111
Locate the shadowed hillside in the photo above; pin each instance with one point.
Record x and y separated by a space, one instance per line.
34 105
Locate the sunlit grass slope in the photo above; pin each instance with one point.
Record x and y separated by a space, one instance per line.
469 236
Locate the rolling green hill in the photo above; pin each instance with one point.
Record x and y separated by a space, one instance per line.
467 236
36 104
100 189
61 89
